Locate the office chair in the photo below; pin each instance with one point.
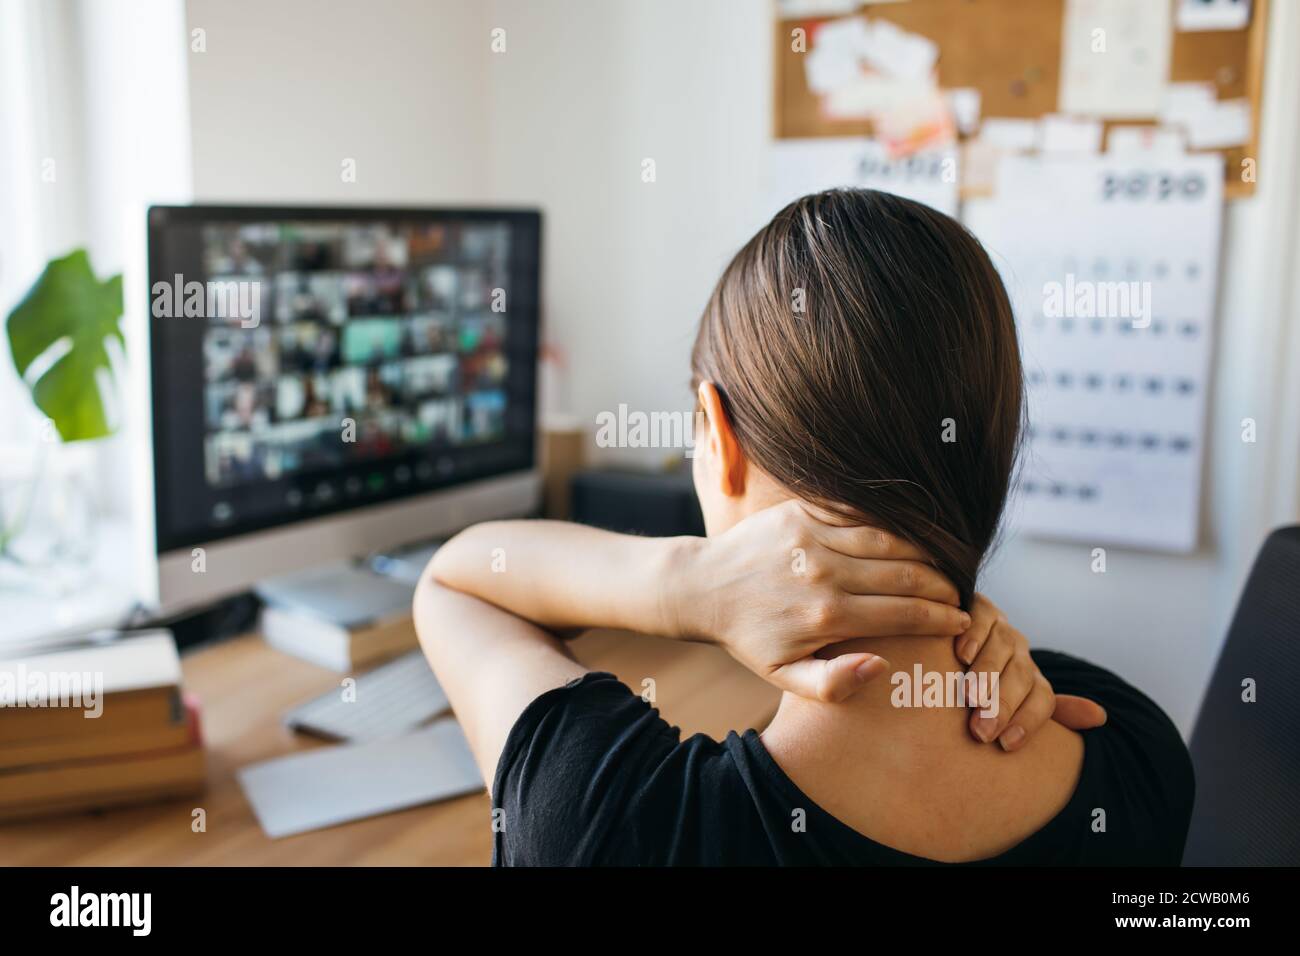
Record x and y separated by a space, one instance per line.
1247 755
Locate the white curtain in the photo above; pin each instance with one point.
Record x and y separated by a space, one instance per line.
94 124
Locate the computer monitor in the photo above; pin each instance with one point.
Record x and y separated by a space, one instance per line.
330 382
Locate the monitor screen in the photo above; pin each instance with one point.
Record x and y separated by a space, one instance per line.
310 361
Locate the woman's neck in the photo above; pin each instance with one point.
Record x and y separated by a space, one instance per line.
900 766
913 706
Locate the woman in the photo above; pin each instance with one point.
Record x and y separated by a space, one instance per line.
860 387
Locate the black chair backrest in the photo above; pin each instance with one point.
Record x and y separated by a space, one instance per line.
1247 755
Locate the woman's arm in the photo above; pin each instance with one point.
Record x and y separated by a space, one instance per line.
775 589
772 591
567 577
491 664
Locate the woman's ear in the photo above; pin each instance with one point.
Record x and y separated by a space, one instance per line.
727 461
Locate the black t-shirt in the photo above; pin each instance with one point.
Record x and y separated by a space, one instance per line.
592 775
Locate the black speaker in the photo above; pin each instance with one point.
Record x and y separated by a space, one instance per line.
656 504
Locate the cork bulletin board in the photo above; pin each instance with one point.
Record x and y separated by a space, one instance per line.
1010 50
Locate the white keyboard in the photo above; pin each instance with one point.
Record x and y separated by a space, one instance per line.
393 699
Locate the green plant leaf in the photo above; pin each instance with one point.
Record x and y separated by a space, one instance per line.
68 304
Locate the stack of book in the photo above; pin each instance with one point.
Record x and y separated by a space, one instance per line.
94 725
339 616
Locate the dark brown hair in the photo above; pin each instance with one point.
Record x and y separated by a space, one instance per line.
905 337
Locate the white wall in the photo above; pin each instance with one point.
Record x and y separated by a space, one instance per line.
578 102
287 90
563 118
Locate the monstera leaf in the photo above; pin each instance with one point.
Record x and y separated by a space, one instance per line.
70 310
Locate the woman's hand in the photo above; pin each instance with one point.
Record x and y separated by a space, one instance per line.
787 581
1025 698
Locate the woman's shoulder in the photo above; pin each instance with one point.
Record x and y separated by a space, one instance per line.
591 774
1129 710
1137 772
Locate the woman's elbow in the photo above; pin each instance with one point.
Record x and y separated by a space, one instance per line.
450 564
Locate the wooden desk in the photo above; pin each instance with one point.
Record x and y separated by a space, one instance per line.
244 687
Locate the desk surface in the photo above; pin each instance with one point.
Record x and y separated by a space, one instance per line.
244 687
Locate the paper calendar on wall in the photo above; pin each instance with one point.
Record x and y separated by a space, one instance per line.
1111 264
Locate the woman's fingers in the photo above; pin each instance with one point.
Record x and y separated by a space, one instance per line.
1004 697
829 681
1041 705
984 616
872 561
858 540
994 658
883 615
1078 713
899 578
1035 711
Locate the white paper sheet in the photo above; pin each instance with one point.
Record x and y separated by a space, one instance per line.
835 59
1072 135
799 167
788 9
1114 57
1213 14
896 52
1116 390
964 101
1012 134
1209 122
867 95
1228 124
332 785
1151 141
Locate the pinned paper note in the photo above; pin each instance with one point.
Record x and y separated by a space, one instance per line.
1069 135
865 96
1012 134
979 166
1213 14
1210 123
788 9
847 49
964 102
1114 57
1183 102
836 55
895 52
920 122
865 69
1153 141
1228 124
